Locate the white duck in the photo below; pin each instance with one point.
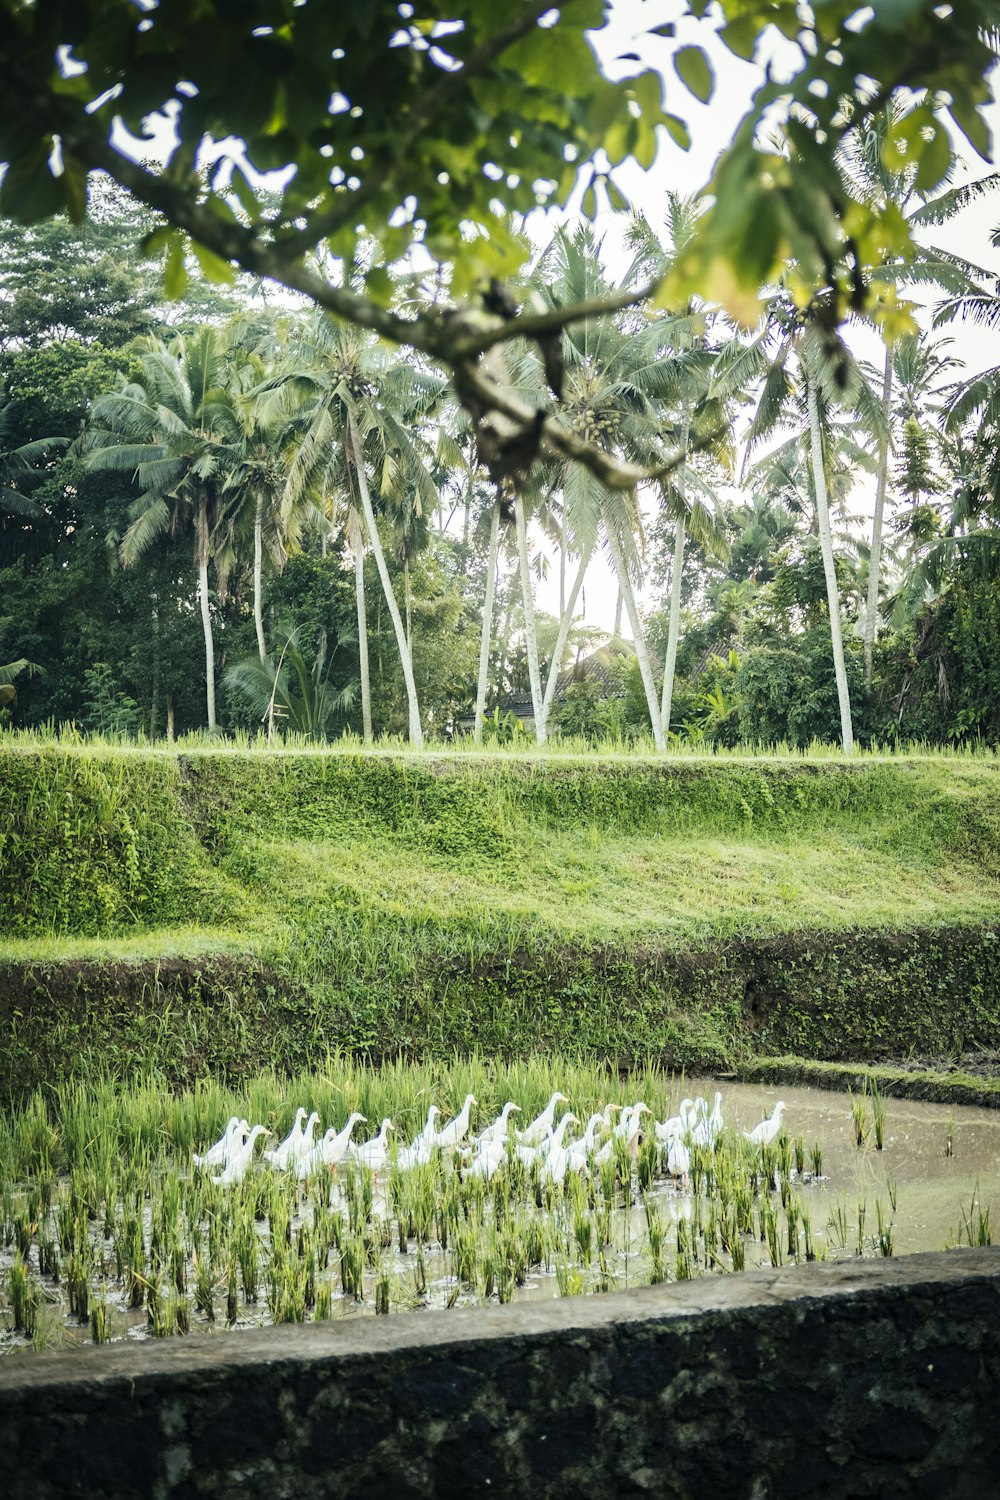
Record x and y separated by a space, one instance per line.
764 1133
238 1161
606 1150
541 1126
707 1126
678 1159
488 1160
428 1135
374 1154
554 1141
233 1137
279 1157
557 1158
579 1151
677 1127
457 1129
498 1130
631 1120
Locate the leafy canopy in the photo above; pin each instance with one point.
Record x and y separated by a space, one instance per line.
434 120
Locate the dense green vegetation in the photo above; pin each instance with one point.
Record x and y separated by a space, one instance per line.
215 909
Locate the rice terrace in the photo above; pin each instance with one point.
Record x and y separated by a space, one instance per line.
499 749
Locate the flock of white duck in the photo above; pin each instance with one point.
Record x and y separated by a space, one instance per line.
542 1141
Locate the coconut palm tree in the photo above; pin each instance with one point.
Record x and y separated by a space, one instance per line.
807 375
883 169
257 462
620 373
358 411
10 672
173 427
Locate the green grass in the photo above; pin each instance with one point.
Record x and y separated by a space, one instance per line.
444 901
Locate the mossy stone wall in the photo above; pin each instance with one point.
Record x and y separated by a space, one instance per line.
821 1382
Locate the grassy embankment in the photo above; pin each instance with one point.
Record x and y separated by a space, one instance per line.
222 910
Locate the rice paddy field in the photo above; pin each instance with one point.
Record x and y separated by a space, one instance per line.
109 1232
203 909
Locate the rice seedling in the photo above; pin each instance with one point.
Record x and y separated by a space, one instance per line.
99 1330
816 1160
859 1117
878 1114
862 1214
975 1227
568 1279
24 1297
885 1230
949 1142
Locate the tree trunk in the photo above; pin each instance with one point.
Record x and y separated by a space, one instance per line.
618 613
530 638
674 630
170 720
416 732
356 540
154 692
832 592
875 559
258 576
565 621
645 670
201 544
408 602
487 631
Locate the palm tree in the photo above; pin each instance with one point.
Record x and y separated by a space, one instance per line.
807 375
291 692
173 426
356 410
10 672
257 474
619 373
20 473
878 174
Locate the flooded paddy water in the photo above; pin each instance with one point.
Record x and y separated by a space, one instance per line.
125 1249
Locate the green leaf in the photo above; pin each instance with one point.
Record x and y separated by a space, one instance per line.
678 131
588 204
970 122
935 160
616 197
213 266
379 285
29 192
695 71
175 271
75 188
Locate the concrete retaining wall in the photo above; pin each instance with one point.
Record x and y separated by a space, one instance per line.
862 1379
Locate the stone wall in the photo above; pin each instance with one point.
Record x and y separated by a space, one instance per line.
851 1380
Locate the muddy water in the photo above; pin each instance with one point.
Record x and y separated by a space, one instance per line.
922 1193
932 1189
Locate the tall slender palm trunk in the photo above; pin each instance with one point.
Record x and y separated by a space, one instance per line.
565 621
202 549
830 571
356 541
530 637
416 732
487 631
676 576
258 576
674 627
875 558
639 641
